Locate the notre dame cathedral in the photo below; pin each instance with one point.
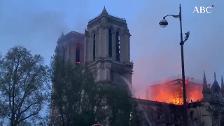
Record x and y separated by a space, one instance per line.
105 49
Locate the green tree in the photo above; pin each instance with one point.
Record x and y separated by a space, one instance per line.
73 94
116 106
78 101
23 85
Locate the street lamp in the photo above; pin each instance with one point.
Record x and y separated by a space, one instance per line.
163 23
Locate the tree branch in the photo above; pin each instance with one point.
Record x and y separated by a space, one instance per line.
33 114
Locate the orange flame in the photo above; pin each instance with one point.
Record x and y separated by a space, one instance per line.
171 92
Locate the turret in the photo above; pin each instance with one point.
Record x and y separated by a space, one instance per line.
215 86
104 12
206 90
60 38
216 95
205 85
222 86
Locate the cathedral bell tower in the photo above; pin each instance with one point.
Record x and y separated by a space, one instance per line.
107 49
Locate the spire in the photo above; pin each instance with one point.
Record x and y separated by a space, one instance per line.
222 86
205 86
215 76
61 37
62 34
205 89
215 86
222 83
104 12
204 79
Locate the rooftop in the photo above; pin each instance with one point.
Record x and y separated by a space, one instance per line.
104 13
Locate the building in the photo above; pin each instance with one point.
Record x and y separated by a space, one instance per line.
104 48
71 47
207 112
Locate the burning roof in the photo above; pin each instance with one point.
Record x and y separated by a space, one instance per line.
171 92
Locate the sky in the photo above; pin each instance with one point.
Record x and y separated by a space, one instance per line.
155 51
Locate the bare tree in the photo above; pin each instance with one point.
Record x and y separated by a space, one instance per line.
23 85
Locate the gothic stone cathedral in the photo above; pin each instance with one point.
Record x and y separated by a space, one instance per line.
104 48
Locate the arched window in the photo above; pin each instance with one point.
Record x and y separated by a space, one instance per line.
77 54
94 46
118 43
110 43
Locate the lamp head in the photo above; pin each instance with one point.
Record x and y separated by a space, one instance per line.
187 34
163 23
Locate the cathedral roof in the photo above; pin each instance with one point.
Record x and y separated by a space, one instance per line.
104 13
72 35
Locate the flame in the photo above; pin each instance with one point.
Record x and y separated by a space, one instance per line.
171 92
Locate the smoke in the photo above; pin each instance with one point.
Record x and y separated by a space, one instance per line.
37 25
36 30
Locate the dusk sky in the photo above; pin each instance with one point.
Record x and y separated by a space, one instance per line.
155 51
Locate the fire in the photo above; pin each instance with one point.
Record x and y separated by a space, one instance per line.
171 92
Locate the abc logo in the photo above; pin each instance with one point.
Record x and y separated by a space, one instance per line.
203 10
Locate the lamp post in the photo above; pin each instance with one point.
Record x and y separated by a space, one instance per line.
163 23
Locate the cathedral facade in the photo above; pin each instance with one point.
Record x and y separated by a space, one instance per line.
104 48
